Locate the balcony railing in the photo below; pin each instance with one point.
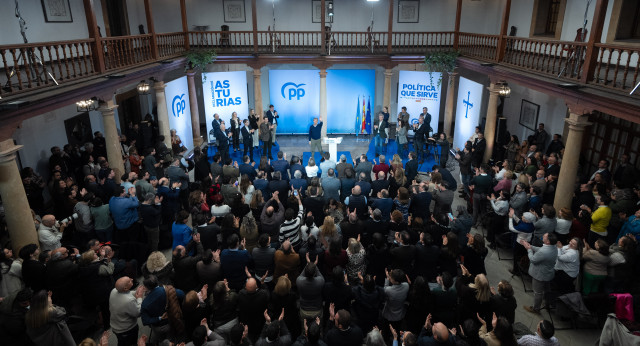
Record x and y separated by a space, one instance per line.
26 67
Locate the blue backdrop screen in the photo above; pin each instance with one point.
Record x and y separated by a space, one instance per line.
295 95
350 100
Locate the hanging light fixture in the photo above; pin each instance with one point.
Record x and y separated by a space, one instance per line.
331 9
505 90
143 88
87 105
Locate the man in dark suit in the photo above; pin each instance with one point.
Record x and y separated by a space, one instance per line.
402 257
380 133
208 232
420 202
365 186
247 168
247 139
420 130
223 143
272 118
411 167
280 185
215 124
296 166
477 150
446 176
552 167
315 205
298 182
262 184
379 184
281 165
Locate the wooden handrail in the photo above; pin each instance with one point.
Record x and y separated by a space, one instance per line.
43 44
122 38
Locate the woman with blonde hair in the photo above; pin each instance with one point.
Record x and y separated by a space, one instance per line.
46 322
176 143
158 265
396 181
283 298
311 169
563 225
396 162
357 256
328 231
475 297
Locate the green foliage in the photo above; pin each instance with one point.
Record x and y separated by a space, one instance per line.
443 61
198 59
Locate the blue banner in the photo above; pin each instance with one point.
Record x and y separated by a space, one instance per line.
295 95
347 92
415 91
467 111
225 93
176 95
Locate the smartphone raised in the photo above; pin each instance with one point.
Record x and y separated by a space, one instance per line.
450 216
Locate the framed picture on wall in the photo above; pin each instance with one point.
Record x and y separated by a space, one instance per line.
57 11
316 12
234 11
529 114
408 11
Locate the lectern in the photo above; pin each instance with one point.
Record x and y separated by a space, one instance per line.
333 146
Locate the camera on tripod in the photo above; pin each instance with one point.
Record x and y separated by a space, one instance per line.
68 219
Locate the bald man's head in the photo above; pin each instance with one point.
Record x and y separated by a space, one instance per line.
440 332
178 251
48 220
270 210
356 190
124 284
251 285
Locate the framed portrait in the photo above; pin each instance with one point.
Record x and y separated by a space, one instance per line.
529 114
316 12
57 11
234 11
408 11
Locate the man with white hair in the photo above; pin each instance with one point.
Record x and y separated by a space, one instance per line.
524 230
50 233
299 183
124 306
342 166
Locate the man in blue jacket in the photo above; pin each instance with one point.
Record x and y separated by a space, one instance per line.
124 209
233 261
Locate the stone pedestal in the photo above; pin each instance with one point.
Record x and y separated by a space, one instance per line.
114 153
193 104
323 102
451 99
163 114
490 126
16 206
569 167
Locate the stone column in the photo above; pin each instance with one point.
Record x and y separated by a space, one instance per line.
257 91
163 113
16 206
387 88
193 103
114 153
451 100
323 101
569 168
490 126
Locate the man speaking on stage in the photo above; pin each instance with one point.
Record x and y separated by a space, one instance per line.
315 132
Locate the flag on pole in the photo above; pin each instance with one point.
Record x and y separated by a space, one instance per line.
368 119
358 120
363 120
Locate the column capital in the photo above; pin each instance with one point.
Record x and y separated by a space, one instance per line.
257 73
108 109
323 73
453 74
159 86
577 122
191 73
388 72
8 150
493 89
579 109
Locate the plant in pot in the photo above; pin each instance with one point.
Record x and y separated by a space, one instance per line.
442 61
198 59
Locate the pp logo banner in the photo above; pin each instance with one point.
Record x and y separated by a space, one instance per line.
178 105
292 90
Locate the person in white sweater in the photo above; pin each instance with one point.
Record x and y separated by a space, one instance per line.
567 265
124 306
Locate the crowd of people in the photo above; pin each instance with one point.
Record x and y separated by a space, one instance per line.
331 253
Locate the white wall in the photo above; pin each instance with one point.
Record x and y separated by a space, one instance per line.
40 133
481 17
552 113
40 31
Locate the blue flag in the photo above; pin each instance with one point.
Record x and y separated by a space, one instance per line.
358 120
368 120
